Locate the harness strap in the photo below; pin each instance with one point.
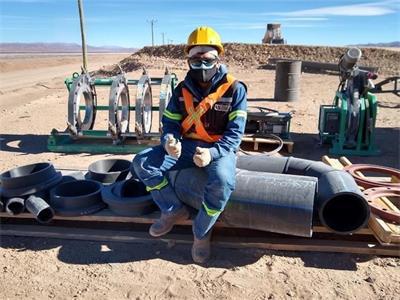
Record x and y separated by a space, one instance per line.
195 114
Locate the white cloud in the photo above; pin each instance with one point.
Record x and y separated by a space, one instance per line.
363 9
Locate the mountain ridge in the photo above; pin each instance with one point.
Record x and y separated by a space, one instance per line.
40 47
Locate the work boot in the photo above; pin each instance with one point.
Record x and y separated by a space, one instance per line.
201 249
167 220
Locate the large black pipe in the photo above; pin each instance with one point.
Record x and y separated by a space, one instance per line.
340 204
39 208
263 201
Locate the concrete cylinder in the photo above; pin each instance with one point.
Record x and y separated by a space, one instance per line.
287 81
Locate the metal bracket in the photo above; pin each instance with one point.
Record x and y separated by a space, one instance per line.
119 108
165 94
143 107
81 87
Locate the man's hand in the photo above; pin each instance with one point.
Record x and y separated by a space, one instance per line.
173 146
202 157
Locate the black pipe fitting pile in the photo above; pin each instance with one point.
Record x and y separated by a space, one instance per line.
278 194
43 191
23 188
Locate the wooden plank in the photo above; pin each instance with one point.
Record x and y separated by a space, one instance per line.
270 243
106 215
332 162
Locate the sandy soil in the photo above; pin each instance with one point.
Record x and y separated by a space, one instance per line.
33 101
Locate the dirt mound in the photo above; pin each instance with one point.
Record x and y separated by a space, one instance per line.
256 55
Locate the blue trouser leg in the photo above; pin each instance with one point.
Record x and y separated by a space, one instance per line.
150 166
220 185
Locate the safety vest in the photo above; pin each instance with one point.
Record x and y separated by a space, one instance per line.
194 114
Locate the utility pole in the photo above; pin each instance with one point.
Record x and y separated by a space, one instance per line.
152 22
82 22
163 37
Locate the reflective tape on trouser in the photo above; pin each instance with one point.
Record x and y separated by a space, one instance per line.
211 212
159 186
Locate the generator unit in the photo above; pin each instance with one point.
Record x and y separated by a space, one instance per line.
267 121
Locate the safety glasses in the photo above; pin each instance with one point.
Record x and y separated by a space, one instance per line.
202 63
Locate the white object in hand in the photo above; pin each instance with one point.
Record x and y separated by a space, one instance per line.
173 146
202 157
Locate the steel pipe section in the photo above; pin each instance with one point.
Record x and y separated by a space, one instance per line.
81 87
39 208
76 198
119 104
340 205
128 198
108 171
263 201
29 179
144 104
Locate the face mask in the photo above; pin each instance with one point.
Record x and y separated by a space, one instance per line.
203 75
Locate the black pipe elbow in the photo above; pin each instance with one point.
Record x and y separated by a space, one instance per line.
340 205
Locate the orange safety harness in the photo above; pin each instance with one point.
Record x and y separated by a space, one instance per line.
195 114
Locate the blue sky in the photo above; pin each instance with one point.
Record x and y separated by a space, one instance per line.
125 22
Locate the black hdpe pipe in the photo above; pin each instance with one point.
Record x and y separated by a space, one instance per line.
39 208
15 206
263 201
339 203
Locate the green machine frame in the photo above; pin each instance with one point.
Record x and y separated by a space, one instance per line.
333 126
100 141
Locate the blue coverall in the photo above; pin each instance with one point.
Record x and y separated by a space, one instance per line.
151 164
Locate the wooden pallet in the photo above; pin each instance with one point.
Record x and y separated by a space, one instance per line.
385 232
229 238
256 140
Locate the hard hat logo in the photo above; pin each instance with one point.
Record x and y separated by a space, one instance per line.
204 36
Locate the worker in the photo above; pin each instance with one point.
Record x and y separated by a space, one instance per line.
202 127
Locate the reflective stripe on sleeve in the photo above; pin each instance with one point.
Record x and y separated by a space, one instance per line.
237 113
172 116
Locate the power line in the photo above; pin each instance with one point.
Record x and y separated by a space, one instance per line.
152 22
163 37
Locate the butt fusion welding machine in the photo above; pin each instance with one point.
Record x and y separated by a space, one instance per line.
349 123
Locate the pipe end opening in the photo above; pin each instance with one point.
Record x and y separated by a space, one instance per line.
345 213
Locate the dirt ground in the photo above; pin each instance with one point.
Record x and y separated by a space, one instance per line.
33 100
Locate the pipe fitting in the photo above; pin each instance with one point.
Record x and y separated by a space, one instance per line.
39 208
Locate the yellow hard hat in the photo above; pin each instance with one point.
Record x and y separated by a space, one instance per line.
204 36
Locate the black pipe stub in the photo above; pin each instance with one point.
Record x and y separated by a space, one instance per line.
29 179
345 213
2 201
128 198
108 171
15 206
39 208
77 198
